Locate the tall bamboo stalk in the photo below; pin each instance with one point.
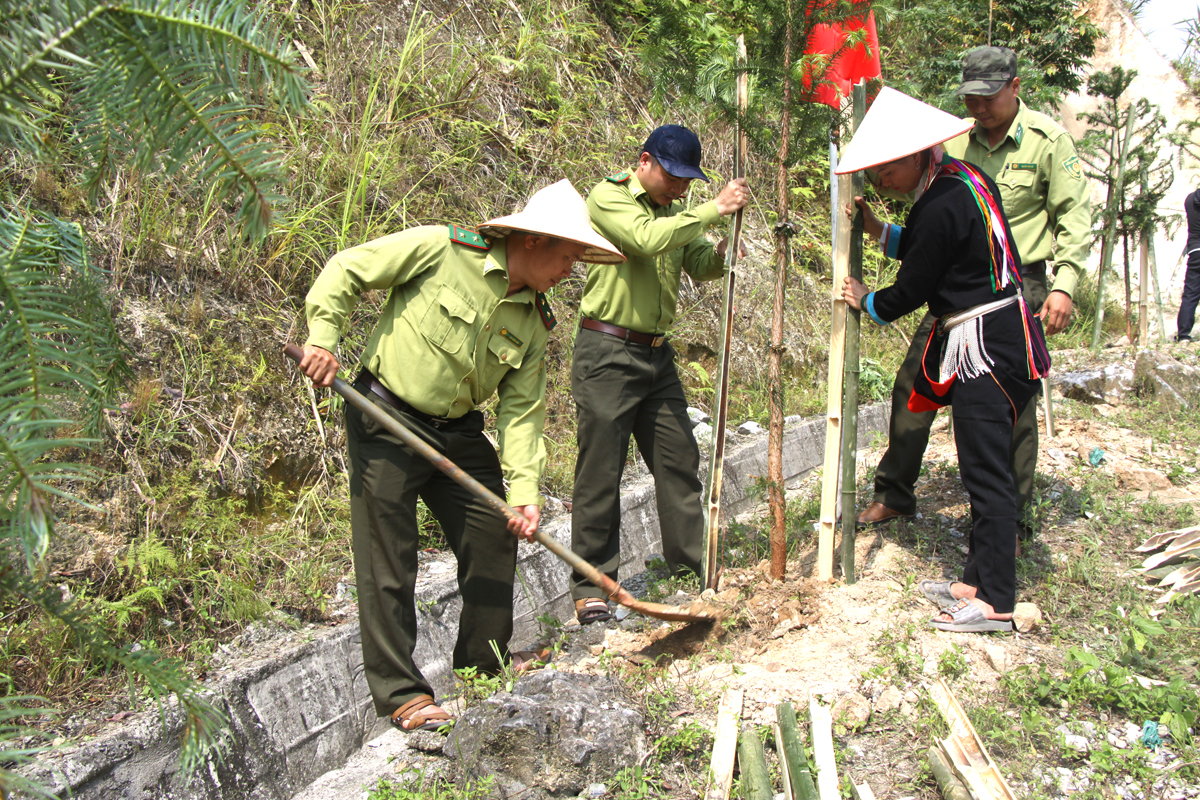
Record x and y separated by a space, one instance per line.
716 469
1144 292
850 392
1162 323
1115 190
777 502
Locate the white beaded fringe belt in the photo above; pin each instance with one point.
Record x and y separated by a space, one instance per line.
964 352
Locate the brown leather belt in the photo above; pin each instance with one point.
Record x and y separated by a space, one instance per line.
367 380
623 333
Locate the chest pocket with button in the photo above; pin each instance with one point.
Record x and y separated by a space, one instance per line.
1018 192
447 321
503 354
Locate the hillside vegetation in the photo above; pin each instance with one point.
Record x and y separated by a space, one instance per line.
222 497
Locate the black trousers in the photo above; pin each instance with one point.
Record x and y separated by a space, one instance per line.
908 431
985 409
386 479
624 389
1191 279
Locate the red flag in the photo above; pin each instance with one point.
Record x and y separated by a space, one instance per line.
849 65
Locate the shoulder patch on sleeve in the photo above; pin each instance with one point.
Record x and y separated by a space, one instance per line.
546 312
1072 168
468 237
620 177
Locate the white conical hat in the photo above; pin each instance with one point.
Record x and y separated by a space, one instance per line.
558 211
896 126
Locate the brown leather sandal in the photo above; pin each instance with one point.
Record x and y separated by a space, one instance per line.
592 609
411 714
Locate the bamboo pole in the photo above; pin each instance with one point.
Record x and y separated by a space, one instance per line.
833 403
1144 291
1162 323
1115 190
949 784
850 394
752 763
792 755
716 469
776 500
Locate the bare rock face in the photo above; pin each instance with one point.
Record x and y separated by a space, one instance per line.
1111 384
553 736
1160 377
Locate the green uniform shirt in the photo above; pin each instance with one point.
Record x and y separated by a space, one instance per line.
1045 195
660 244
447 338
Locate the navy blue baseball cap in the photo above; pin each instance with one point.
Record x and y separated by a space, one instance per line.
677 149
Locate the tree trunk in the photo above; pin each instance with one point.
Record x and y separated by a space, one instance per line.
777 501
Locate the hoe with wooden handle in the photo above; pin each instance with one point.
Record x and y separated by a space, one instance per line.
693 612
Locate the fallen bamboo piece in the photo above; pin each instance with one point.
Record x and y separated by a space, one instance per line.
965 751
948 783
833 403
861 791
720 771
822 741
1163 539
1179 548
752 763
785 772
793 759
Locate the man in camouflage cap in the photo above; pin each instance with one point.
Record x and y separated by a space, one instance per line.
1034 162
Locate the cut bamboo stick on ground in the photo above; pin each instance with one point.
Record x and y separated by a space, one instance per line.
720 772
798 782
948 783
861 791
821 737
752 764
1160 540
833 403
965 751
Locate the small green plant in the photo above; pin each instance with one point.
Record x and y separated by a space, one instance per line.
421 787
474 686
952 664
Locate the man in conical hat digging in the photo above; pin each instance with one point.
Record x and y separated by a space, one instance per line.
987 350
465 318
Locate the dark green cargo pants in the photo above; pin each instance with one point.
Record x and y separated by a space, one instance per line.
624 389
898 470
386 478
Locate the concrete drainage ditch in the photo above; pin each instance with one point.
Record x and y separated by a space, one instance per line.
306 711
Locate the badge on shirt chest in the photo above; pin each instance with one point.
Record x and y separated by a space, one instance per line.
512 337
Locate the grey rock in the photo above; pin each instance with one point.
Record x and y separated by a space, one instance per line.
555 734
750 428
1110 384
698 415
1162 378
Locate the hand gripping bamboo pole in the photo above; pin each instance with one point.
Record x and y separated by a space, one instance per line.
716 467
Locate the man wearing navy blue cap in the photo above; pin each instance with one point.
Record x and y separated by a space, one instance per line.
623 376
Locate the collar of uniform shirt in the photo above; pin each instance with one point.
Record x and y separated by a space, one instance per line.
1016 129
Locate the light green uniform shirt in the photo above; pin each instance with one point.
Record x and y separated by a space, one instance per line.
1045 194
447 338
659 244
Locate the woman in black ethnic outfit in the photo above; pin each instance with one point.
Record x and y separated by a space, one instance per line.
987 350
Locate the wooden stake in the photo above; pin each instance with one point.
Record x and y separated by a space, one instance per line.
716 467
724 753
1162 323
822 742
861 791
833 403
